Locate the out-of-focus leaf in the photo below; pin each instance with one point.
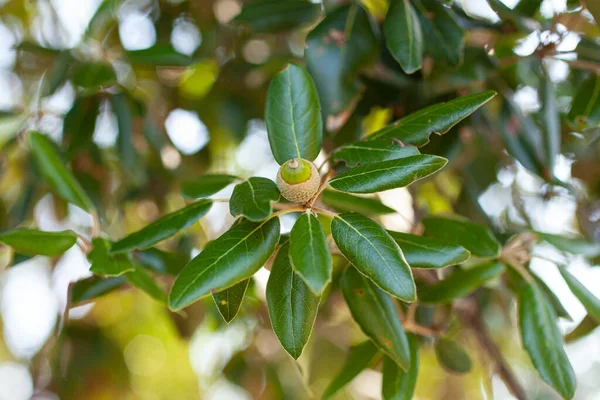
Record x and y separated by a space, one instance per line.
253 198
583 294
106 264
585 327
292 305
586 103
198 79
80 123
53 169
555 302
372 151
398 384
425 252
375 312
158 55
9 126
293 116
160 261
452 356
94 287
57 74
230 300
594 8
233 257
551 134
543 342
385 175
403 35
572 245
374 253
34 242
344 43
461 283
359 357
127 152
346 202
439 118
206 185
309 252
163 228
528 7
273 16
473 237
141 279
445 36
94 75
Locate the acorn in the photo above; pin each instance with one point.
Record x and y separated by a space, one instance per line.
298 180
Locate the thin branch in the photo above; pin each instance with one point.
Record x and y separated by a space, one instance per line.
324 211
288 210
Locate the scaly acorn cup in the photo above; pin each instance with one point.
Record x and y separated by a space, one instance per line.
298 180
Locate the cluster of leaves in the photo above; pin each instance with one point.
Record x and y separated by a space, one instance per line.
385 276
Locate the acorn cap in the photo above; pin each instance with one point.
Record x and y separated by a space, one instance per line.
298 180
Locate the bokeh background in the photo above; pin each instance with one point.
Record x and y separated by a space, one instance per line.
207 118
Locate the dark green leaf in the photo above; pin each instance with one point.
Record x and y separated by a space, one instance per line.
162 262
403 35
385 175
141 279
347 202
587 298
572 245
344 43
277 15
127 152
440 26
163 228
461 283
586 103
452 356
551 134
415 128
557 305
376 314
398 384
233 257
309 252
543 342
585 327
473 237
158 55
374 253
80 123
105 264
94 287
34 242
253 198
230 300
361 356
206 185
373 151
293 116
94 75
53 169
424 252
292 306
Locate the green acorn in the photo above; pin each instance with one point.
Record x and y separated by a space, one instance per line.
298 180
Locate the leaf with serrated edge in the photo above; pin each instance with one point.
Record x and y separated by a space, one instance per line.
107 264
357 153
230 300
253 198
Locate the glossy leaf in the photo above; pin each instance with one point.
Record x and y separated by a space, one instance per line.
53 169
574 245
439 118
445 35
229 301
461 283
276 16
583 294
372 151
94 75
398 384
107 264
309 252
425 252
34 242
341 201
385 175
93 287
292 305
359 357
141 279
162 262
374 253
293 116
462 232
253 198
206 185
585 327
403 35
543 342
233 257
376 314
452 356
158 55
163 228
